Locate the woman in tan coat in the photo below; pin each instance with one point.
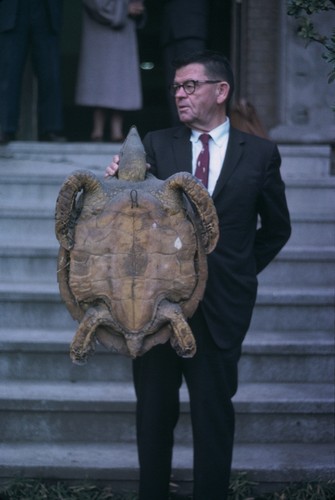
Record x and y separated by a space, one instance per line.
109 74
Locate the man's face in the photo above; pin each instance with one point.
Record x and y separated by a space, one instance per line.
203 109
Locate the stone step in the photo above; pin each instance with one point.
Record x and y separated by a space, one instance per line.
286 371
34 354
301 266
116 464
41 189
31 157
28 263
305 161
298 161
32 305
49 164
313 229
288 357
36 187
77 412
308 309
37 226
316 195
26 191
267 357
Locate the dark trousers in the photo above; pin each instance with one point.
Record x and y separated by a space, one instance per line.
211 378
33 32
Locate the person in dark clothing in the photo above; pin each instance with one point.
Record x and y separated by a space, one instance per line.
30 25
249 195
184 30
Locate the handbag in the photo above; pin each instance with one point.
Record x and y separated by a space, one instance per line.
109 12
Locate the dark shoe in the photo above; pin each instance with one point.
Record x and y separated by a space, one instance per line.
51 137
97 138
118 139
6 137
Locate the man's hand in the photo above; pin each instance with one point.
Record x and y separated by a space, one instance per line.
111 170
113 167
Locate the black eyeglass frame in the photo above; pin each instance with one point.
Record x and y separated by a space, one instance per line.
174 87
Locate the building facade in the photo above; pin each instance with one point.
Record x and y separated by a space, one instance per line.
285 80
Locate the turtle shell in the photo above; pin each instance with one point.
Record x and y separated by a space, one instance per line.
132 263
134 254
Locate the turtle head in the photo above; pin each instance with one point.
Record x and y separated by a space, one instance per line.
132 166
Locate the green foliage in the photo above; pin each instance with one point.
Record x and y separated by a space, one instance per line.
36 490
295 7
310 491
240 489
306 30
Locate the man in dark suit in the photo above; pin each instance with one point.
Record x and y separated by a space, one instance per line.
246 186
30 25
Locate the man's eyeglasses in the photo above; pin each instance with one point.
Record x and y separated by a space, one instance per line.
189 86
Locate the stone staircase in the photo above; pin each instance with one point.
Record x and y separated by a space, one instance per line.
67 422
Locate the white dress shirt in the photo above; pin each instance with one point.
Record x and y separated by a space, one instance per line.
217 151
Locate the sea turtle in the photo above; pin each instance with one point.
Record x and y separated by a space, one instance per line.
132 261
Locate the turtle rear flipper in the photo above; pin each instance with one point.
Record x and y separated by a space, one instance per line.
83 344
182 339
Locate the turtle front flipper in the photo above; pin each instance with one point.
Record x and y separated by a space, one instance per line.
182 339
83 344
184 182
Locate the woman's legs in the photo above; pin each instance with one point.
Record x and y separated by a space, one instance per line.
116 126
99 119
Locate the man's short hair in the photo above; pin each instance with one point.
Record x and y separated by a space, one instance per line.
217 66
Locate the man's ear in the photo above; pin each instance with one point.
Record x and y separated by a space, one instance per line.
223 91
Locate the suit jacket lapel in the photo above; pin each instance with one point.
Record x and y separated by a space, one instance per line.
233 155
182 150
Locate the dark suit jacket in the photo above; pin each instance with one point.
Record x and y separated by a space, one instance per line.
9 8
184 19
249 188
